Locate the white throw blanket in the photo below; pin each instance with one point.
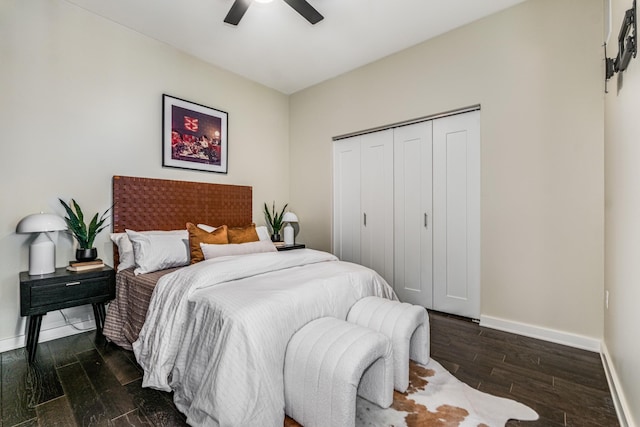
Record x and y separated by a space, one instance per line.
216 332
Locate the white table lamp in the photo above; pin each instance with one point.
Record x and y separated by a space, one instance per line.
42 252
289 217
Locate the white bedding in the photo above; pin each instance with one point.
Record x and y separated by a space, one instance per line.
216 332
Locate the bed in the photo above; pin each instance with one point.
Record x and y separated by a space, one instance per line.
215 332
144 204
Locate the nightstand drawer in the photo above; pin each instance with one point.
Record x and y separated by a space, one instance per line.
69 294
63 289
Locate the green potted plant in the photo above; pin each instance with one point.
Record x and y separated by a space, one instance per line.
85 235
274 219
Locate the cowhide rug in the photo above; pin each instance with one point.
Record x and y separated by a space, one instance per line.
437 398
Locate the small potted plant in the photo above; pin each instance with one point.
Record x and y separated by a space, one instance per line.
274 219
85 235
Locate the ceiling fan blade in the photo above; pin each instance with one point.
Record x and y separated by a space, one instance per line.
237 11
305 9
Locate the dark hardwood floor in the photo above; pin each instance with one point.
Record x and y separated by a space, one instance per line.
82 380
565 385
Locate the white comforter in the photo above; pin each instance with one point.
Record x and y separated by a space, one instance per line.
216 332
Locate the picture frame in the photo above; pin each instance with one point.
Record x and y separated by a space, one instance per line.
194 136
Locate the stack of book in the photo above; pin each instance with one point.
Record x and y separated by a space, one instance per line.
85 265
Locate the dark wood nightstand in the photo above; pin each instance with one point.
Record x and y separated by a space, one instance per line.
290 247
62 289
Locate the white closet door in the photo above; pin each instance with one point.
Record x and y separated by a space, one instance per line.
456 214
346 199
376 192
413 230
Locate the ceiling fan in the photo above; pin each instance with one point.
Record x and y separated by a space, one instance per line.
239 8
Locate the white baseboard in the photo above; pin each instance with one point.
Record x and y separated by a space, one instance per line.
617 394
546 334
48 335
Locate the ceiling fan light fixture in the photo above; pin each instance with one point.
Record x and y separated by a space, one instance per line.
239 8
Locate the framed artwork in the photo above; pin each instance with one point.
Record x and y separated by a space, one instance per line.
193 136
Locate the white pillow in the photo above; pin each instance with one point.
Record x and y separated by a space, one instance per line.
159 250
263 233
213 251
125 250
207 228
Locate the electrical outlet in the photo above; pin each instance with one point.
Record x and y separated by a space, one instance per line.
606 299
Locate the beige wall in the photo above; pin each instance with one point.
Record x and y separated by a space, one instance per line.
80 101
622 223
541 91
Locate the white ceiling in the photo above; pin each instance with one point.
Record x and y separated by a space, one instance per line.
275 46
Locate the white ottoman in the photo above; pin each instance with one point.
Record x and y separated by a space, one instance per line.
406 325
323 372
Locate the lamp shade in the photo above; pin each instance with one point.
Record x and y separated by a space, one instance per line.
42 251
41 222
289 217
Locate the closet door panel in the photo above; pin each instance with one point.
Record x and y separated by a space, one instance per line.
407 204
456 201
412 217
376 190
346 199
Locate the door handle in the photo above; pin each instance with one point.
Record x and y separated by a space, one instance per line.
426 220
365 218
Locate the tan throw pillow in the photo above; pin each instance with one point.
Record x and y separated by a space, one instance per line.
244 234
197 236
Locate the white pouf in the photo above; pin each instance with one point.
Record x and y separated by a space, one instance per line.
324 370
405 324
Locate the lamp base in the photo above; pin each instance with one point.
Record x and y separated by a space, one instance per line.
42 256
288 234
